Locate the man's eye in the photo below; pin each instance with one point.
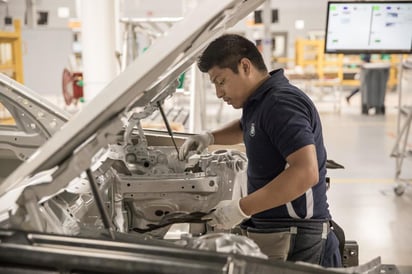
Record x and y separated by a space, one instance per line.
221 83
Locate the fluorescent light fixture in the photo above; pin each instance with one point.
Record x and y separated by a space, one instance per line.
63 12
299 24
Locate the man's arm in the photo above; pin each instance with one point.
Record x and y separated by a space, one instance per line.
295 180
230 134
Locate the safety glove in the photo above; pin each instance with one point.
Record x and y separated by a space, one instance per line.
196 142
226 215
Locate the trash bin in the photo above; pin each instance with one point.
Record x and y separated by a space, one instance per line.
373 81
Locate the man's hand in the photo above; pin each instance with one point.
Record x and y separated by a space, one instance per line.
196 142
226 214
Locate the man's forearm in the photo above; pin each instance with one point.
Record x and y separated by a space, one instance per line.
230 134
295 180
283 189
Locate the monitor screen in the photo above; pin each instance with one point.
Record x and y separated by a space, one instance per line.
369 27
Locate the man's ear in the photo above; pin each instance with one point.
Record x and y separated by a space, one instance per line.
245 65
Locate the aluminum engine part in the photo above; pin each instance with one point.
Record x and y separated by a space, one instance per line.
224 242
162 186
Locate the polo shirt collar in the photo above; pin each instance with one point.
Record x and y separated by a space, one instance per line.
276 76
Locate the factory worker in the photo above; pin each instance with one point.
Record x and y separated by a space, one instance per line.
286 210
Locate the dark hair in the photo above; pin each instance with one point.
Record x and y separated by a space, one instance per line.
227 51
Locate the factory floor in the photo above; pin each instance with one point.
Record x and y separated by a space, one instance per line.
361 196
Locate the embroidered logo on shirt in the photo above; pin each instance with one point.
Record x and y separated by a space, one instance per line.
252 131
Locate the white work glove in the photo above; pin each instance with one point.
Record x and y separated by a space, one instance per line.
196 142
226 215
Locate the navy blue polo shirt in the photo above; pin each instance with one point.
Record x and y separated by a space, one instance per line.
277 120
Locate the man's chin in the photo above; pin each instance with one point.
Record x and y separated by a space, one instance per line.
233 105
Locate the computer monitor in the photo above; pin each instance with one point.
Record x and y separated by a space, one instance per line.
369 27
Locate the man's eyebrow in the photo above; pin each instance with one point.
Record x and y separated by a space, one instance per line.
213 79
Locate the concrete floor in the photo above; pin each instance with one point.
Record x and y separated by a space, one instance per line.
362 198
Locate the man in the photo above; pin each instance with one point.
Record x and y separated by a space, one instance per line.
286 208
365 58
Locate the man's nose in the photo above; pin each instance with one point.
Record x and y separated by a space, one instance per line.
219 92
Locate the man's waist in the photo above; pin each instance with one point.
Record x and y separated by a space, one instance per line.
281 213
284 223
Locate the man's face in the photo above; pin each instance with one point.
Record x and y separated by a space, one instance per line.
230 87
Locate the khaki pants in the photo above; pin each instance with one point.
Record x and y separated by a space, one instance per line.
292 240
276 245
